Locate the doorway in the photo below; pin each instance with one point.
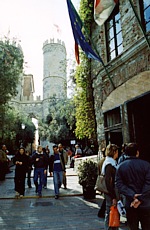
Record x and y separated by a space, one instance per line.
139 124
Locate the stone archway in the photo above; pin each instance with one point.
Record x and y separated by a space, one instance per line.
132 101
35 120
134 87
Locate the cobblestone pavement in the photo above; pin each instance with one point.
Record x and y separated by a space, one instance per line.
70 212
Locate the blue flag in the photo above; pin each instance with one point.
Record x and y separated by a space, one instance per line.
79 38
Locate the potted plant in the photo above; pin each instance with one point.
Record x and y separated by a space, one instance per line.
87 173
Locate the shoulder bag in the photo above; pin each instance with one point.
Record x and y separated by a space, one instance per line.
101 184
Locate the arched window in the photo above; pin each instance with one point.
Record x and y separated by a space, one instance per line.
113 34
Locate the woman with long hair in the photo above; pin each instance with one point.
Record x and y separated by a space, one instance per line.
109 170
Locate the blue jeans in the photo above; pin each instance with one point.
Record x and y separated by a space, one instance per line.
57 179
39 179
45 179
108 205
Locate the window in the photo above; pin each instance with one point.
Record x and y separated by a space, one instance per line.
112 118
113 34
145 14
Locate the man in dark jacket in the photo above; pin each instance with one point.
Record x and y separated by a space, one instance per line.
133 181
64 155
40 161
58 167
3 162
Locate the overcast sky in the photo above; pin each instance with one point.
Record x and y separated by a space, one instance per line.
31 22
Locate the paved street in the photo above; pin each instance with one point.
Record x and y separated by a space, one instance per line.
71 211
7 186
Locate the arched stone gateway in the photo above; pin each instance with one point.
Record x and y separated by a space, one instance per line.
54 84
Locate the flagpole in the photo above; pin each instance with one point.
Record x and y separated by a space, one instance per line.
101 59
140 24
80 39
107 75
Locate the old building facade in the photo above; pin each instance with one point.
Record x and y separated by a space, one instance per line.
122 88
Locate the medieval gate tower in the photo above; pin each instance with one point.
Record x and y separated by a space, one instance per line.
54 72
54 82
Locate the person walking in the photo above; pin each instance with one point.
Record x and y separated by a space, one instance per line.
3 162
78 151
109 170
58 169
133 181
101 212
64 154
46 152
21 162
120 160
29 170
69 152
40 162
101 161
123 155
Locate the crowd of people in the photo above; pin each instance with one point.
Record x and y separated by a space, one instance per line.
40 161
127 179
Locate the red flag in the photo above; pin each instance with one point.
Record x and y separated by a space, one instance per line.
77 53
102 10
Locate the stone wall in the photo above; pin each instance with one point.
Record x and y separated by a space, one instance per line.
130 71
54 72
78 160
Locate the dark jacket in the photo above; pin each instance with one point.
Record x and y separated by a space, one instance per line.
42 162
25 162
110 172
62 161
133 177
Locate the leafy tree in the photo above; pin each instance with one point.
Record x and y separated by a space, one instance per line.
60 122
11 66
13 134
25 136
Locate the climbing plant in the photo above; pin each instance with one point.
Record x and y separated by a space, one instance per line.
85 114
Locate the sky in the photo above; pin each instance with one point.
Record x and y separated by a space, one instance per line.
30 23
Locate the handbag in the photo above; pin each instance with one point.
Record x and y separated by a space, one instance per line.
101 184
114 217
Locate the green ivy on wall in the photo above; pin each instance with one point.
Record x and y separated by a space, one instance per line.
84 102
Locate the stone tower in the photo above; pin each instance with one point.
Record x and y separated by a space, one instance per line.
54 72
